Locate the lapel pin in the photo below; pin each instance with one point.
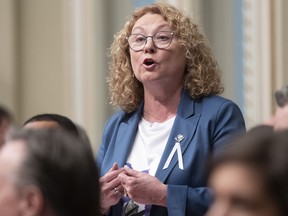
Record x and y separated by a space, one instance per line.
176 148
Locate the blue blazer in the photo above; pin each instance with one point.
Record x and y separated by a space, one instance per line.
207 125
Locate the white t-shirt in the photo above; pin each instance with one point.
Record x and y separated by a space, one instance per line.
146 153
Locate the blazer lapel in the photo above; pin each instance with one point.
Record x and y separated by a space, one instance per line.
125 137
185 124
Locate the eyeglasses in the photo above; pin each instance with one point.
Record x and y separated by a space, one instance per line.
161 40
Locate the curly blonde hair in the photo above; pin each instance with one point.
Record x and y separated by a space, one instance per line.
201 72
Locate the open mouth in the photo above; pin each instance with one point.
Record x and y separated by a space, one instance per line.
148 62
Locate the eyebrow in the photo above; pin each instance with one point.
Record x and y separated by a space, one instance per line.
159 27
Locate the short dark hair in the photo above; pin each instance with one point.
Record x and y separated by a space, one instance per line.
267 151
63 121
62 168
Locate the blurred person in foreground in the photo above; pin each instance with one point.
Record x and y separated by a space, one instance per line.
5 123
51 120
47 173
280 119
154 150
250 178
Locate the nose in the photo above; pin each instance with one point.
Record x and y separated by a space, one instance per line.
149 46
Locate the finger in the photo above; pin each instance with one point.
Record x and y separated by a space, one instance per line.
111 175
114 167
126 181
115 191
114 183
123 177
120 189
107 186
131 172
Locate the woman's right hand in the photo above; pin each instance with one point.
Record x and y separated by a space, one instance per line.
108 192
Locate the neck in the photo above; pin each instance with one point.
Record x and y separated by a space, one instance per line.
159 118
160 109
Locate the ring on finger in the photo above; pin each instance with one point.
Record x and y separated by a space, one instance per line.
116 191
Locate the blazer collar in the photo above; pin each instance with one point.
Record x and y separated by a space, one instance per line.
185 124
126 136
186 107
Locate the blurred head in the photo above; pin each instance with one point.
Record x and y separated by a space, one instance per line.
5 122
46 121
201 72
47 173
250 178
51 121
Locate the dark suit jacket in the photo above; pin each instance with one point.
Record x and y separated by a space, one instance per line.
207 124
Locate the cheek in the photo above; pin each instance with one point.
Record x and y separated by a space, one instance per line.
176 63
134 58
181 56
9 203
177 58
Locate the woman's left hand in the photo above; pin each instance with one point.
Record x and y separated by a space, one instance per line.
142 187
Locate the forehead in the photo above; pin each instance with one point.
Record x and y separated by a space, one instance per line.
11 157
150 21
232 168
42 124
237 178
